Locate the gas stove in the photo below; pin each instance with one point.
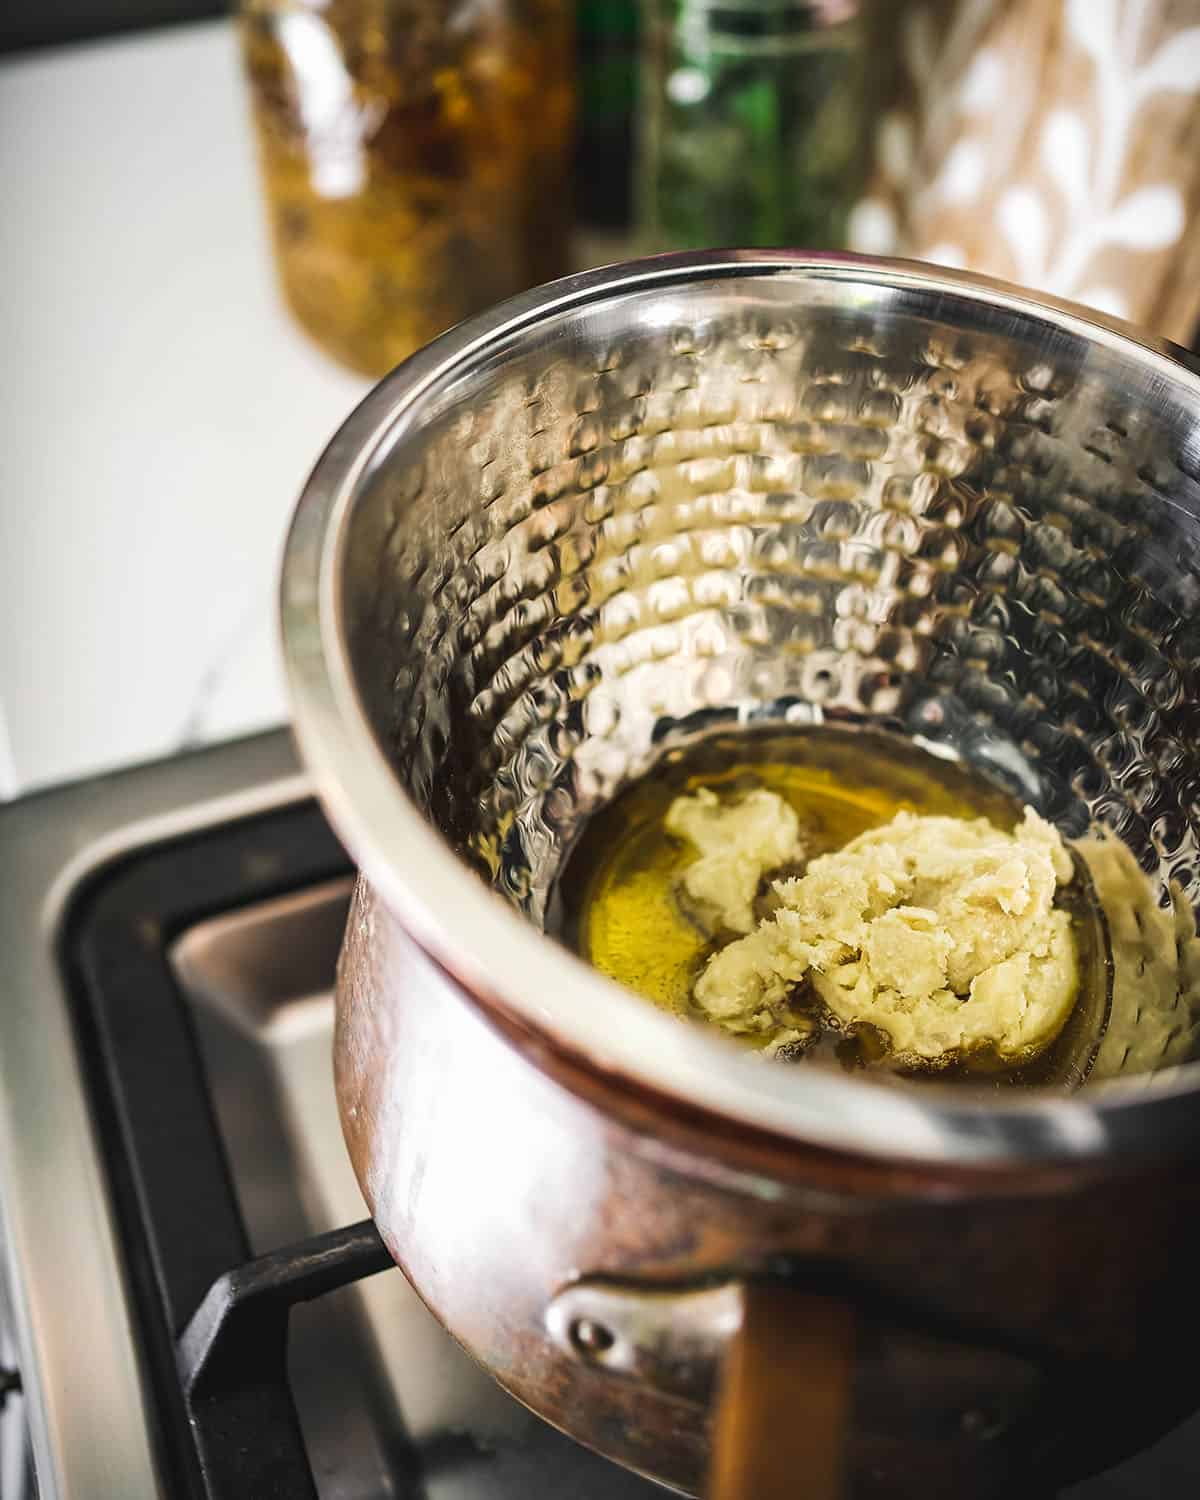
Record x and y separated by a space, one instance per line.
194 1303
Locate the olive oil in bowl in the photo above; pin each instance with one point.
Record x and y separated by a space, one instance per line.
619 893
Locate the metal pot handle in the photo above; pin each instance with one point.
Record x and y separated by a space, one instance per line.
771 1361
783 1409
783 1357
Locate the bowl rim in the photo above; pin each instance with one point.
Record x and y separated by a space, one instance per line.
506 966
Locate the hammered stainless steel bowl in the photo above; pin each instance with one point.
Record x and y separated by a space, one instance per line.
699 495
752 489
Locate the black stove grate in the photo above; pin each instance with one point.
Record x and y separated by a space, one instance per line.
213 1320
232 1359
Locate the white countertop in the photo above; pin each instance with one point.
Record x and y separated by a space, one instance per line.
160 409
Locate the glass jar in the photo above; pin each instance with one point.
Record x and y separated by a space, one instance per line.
416 160
751 122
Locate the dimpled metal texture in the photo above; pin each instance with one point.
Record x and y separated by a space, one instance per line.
766 500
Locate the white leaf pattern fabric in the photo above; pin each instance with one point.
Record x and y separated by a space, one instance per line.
965 170
1149 219
1175 66
1093 24
1022 219
1065 154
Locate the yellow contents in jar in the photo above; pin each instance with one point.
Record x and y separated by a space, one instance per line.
415 162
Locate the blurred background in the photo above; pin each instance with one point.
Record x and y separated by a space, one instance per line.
221 224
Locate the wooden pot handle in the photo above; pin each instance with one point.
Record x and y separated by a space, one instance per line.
784 1400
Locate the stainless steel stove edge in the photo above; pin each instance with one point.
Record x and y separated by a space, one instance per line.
88 1411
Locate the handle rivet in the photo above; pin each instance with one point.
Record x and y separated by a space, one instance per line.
591 1338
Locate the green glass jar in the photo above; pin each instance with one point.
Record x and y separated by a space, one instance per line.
751 122
606 49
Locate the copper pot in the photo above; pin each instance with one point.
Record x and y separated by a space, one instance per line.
685 495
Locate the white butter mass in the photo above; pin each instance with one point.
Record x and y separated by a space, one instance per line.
941 932
738 844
